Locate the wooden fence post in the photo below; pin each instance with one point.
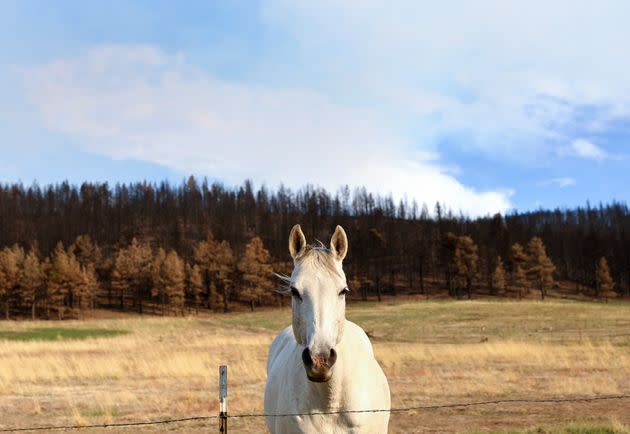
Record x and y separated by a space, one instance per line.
223 417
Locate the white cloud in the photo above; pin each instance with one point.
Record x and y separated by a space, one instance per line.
561 182
137 102
509 78
585 149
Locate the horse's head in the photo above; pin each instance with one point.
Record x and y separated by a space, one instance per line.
318 287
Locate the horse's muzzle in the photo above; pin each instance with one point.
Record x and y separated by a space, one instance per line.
318 366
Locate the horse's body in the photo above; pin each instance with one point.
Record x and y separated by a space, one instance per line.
358 383
323 363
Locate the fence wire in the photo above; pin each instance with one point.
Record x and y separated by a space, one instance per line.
323 413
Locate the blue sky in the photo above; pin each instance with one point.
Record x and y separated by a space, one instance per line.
487 107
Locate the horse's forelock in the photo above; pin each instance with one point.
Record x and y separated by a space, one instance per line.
321 256
317 254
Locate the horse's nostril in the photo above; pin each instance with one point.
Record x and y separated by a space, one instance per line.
333 357
318 362
306 358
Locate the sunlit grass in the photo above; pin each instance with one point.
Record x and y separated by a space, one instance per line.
471 321
432 352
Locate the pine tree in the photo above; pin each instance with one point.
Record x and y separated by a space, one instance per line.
255 265
168 279
539 267
171 279
519 261
605 284
121 275
32 281
76 283
216 261
88 287
158 278
65 280
86 252
225 264
10 272
204 253
132 273
498 277
58 279
194 285
174 278
94 264
465 263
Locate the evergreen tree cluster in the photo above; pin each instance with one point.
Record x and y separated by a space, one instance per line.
167 248
61 283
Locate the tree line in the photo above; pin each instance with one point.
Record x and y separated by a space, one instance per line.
136 278
169 248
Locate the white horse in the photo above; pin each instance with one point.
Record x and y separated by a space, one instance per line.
323 363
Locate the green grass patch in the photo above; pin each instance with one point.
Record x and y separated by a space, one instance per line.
270 320
101 413
457 322
59 334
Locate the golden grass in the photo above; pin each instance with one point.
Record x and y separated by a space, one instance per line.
168 367
505 369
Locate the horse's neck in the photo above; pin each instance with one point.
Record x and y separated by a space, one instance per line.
326 396
333 394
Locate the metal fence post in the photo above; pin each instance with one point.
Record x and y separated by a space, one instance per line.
223 417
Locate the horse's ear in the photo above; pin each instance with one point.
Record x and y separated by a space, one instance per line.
297 242
339 243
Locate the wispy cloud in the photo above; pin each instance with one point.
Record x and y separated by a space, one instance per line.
138 102
559 182
482 73
585 149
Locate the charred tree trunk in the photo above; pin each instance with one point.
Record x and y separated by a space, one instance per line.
226 305
421 276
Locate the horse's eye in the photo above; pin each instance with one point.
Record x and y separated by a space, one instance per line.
344 291
295 293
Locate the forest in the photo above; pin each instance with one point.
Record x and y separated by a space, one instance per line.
169 249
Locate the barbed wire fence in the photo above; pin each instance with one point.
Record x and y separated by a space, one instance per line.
223 415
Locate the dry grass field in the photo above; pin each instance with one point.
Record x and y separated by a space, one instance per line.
150 368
